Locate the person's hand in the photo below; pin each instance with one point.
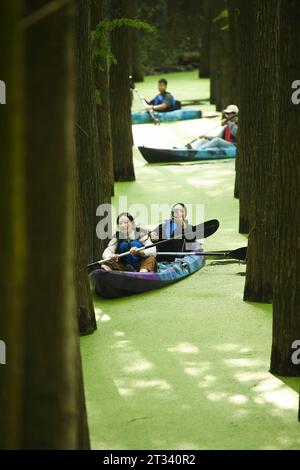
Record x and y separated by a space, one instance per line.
115 257
134 251
149 108
154 236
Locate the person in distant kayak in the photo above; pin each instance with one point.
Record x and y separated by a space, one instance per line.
228 135
164 101
176 226
129 238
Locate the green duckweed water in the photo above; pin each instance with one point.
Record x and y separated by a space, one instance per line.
186 367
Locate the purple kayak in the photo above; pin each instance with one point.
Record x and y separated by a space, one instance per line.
114 284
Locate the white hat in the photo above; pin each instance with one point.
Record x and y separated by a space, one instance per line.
232 108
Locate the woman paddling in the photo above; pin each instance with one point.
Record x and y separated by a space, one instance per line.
129 238
177 226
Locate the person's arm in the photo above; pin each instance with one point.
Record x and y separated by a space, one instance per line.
110 250
160 107
233 127
156 234
150 251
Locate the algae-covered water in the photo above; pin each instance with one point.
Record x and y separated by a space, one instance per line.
186 367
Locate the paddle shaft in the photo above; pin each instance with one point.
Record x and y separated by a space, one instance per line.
213 129
136 251
150 111
209 227
221 254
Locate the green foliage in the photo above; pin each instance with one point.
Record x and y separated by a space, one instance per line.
223 17
100 37
178 30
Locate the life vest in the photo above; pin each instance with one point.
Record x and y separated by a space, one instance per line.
228 136
160 99
125 245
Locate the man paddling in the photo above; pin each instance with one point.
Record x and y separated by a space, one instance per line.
164 101
228 135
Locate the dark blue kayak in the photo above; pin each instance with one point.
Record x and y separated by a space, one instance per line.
155 155
114 284
178 115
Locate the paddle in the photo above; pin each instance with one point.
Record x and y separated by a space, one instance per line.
150 111
189 144
207 228
238 254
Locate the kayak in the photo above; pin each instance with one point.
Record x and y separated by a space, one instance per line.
143 117
114 284
155 155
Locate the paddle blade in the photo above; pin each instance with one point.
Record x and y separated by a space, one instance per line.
210 227
239 254
203 230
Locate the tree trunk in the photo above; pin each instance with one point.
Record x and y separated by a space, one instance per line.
52 400
263 133
234 49
101 68
235 80
286 319
247 113
204 64
224 97
120 98
91 190
216 53
12 233
137 70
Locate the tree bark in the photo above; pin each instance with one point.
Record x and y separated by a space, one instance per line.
234 48
53 412
120 98
137 69
286 319
92 191
216 54
263 133
204 64
13 226
101 69
247 112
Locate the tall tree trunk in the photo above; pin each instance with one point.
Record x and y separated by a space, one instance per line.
216 52
225 96
204 64
101 68
91 190
52 394
120 97
286 319
263 133
247 113
137 70
235 80
13 228
234 48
